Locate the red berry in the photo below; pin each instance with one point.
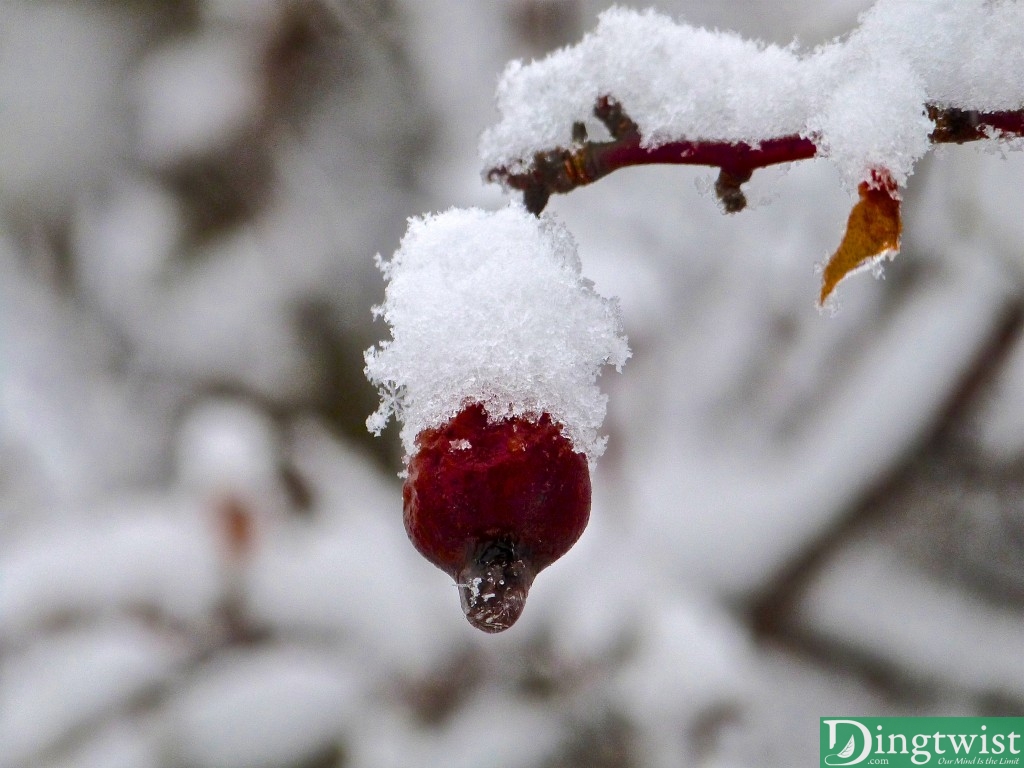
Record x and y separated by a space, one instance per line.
494 503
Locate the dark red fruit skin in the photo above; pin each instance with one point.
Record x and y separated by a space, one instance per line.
520 482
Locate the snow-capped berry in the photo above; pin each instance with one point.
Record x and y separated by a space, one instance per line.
493 504
497 342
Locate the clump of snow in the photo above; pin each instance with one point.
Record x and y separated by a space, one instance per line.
968 53
64 683
152 553
227 444
492 308
195 96
272 707
674 80
859 132
124 244
861 100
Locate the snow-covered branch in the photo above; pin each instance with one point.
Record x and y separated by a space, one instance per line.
910 76
561 170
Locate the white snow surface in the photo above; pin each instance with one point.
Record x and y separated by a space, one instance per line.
61 120
860 99
202 557
194 96
68 681
931 630
259 710
152 553
490 307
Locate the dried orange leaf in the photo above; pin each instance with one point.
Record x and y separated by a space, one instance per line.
872 233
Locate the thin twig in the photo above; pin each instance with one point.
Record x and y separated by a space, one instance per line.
560 170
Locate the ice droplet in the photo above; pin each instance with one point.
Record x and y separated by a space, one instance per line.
493 587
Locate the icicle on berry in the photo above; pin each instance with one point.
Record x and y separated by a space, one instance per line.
493 503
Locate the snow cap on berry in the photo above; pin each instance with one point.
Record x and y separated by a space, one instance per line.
491 307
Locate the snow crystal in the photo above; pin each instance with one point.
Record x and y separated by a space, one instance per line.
491 308
861 100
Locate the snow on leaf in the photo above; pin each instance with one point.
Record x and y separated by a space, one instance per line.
872 233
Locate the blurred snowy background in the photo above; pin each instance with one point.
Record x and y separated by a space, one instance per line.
202 559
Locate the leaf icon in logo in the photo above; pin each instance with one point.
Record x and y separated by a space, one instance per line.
846 756
847 750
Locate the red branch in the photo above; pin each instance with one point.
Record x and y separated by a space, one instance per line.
562 170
